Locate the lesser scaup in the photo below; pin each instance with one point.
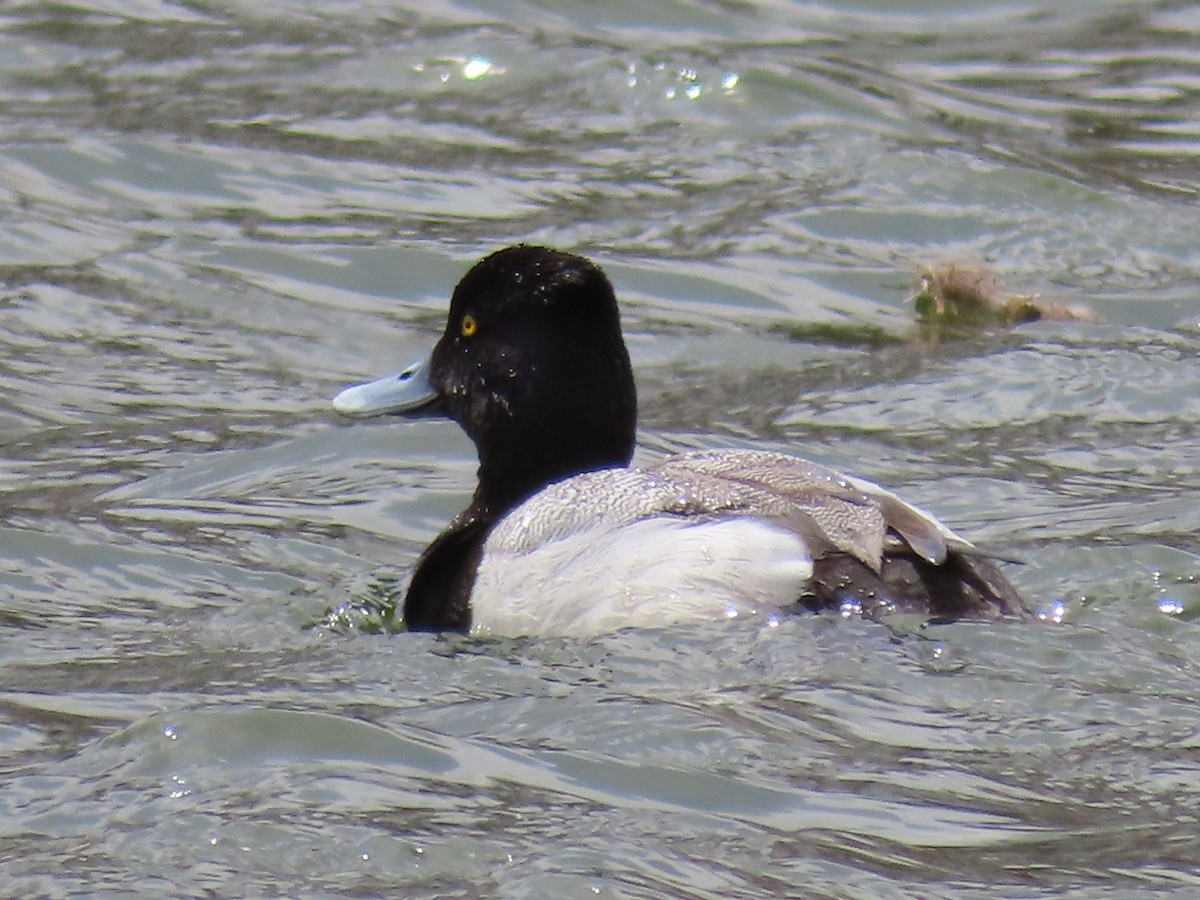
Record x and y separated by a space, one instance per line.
562 537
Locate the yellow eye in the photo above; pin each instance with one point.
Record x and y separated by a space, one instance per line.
469 326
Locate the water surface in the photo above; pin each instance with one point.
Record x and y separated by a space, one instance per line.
214 215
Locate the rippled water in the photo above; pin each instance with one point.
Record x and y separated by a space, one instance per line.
215 215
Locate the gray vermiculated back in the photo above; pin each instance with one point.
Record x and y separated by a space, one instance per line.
823 506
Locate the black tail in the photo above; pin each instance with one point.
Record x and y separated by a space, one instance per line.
963 587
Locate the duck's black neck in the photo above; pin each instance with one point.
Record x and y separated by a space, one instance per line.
507 478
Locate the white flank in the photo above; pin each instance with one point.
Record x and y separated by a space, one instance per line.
641 574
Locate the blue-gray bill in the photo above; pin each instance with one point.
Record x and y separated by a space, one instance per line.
409 390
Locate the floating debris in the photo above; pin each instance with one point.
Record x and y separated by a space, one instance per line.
958 293
953 299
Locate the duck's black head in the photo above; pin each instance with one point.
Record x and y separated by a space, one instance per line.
533 367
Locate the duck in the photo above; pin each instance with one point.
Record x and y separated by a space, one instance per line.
564 537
